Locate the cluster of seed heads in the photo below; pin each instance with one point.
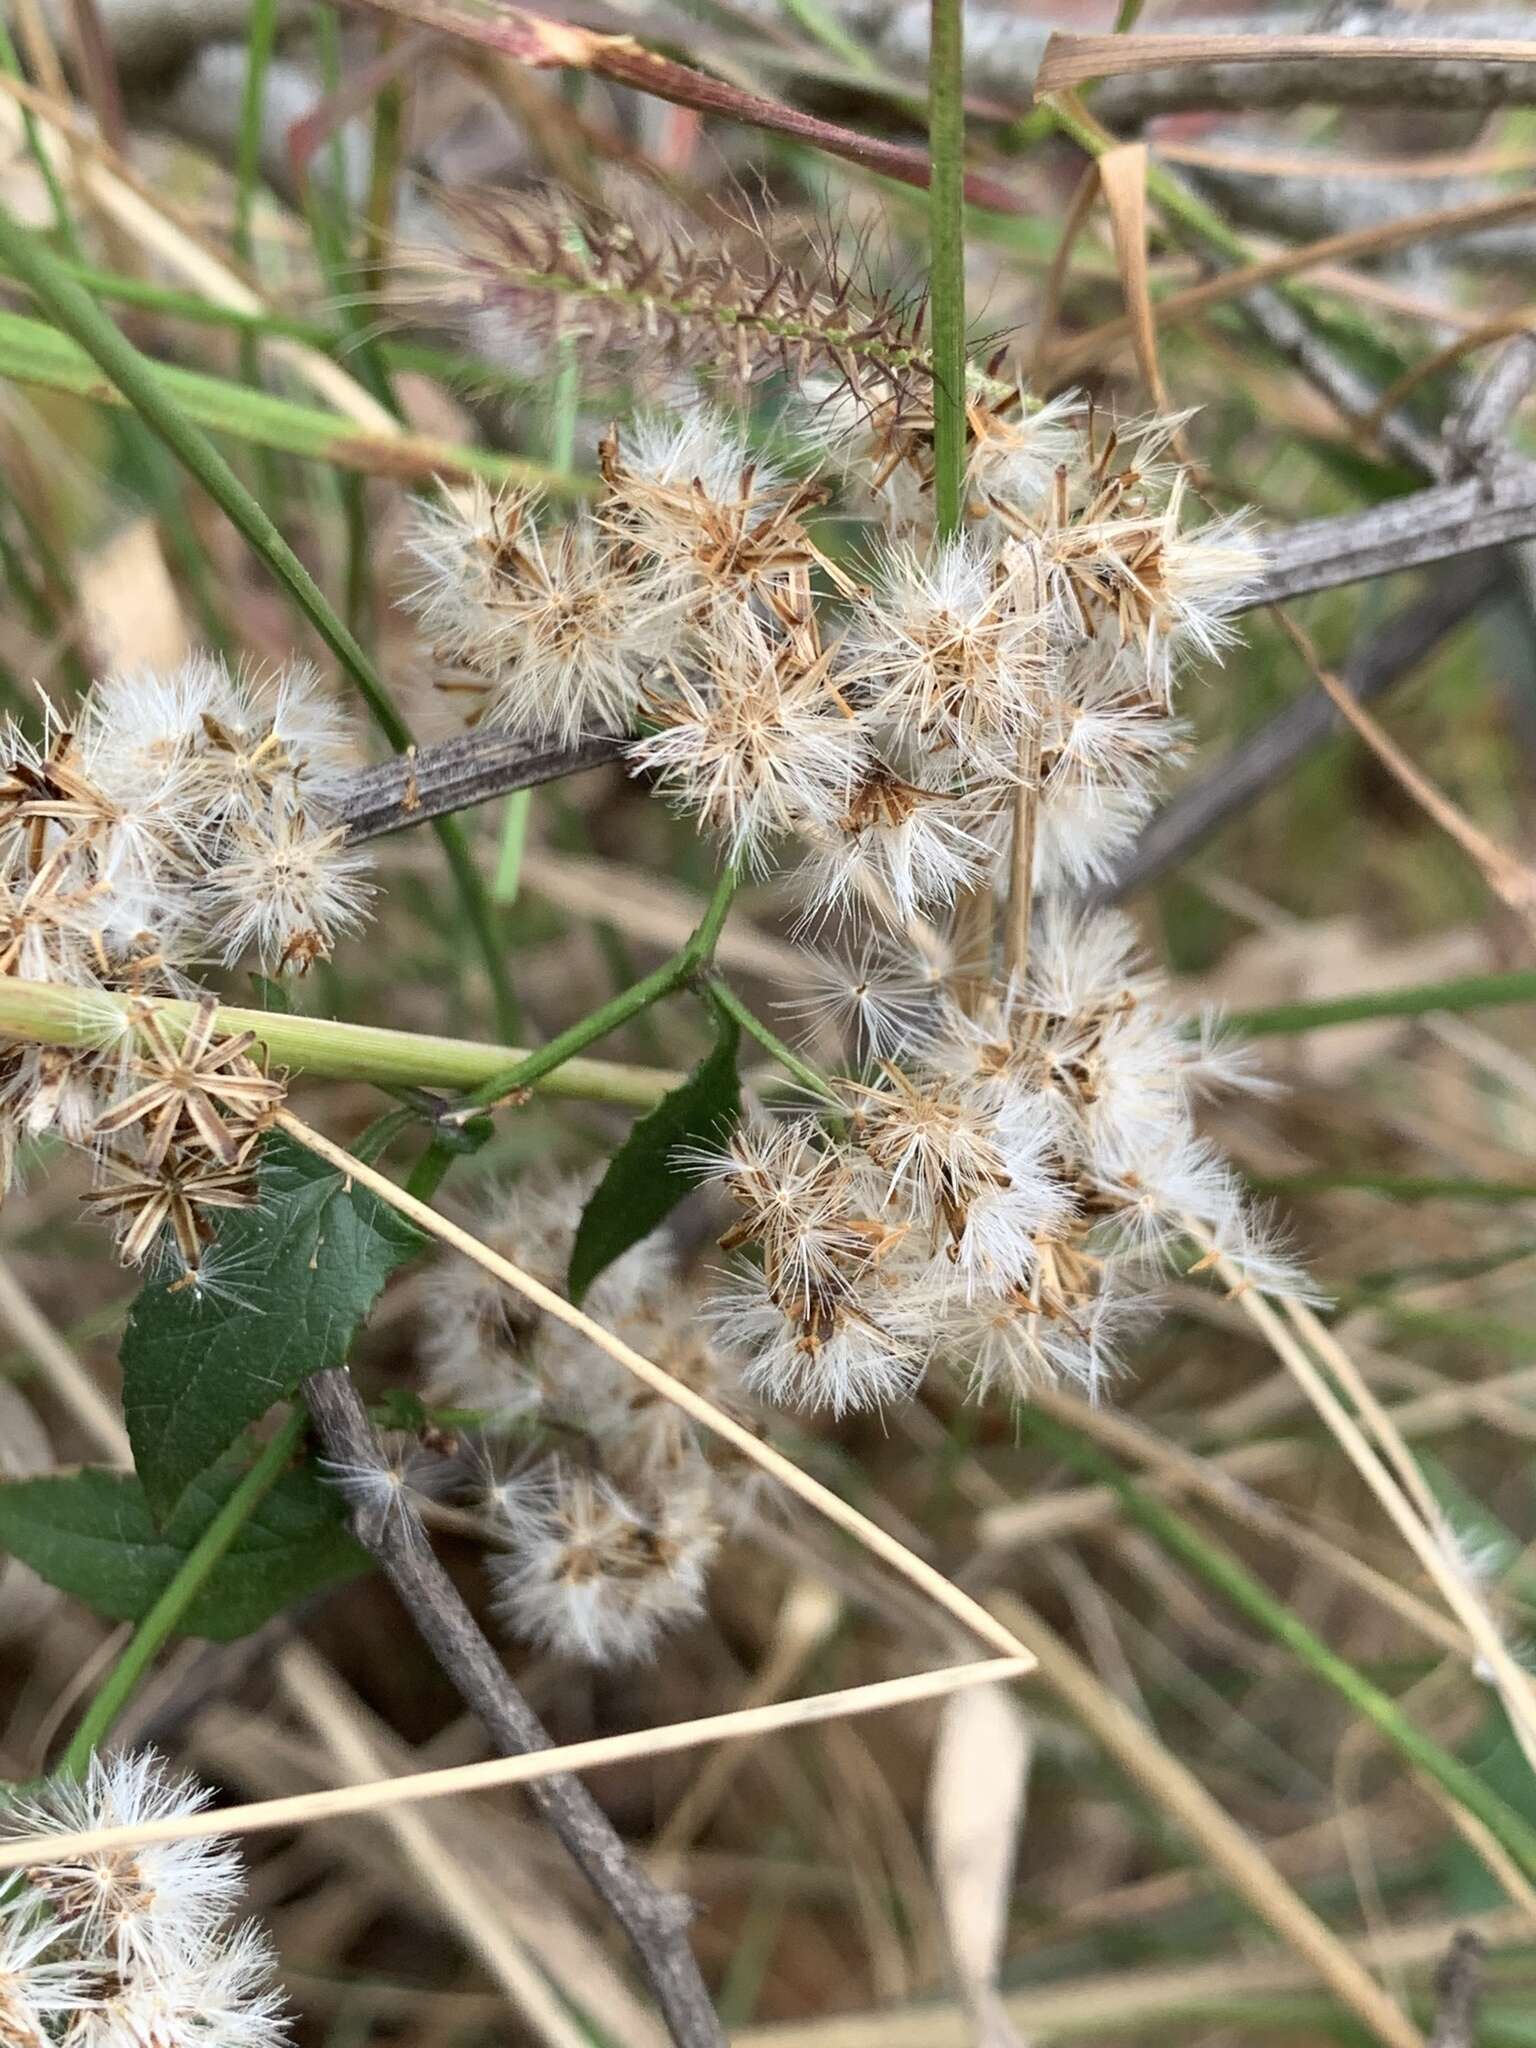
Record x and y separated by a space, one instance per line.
606 1505
905 731
130 1948
171 821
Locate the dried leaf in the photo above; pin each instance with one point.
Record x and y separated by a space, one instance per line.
1123 177
129 603
976 1798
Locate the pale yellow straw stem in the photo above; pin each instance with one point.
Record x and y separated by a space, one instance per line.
789 1475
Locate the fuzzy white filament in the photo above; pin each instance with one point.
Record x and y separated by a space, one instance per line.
174 817
130 1949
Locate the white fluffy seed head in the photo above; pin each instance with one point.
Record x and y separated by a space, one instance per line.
560 625
948 650
286 889
754 746
596 1576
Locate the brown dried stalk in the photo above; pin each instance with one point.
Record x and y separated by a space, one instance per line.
536 40
655 1921
1511 880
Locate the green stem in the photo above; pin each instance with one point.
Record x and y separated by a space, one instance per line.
445 365
388 145
327 212
771 1043
32 352
688 961
191 1576
37 149
1472 992
1219 1568
43 1013
946 258
260 41
82 319
514 837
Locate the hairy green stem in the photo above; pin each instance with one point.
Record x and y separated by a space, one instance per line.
39 1013
1215 1564
946 257
191 1576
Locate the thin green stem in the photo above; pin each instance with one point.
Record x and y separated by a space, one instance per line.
946 257
327 212
260 41
1472 992
388 144
514 838
37 149
191 1576
73 309
32 352
1219 1568
771 1043
446 365
691 958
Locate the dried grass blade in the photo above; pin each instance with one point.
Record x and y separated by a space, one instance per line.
305 1808
1123 176
1179 1793
1073 60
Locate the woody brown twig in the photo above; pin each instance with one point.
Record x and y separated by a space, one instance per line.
655 1921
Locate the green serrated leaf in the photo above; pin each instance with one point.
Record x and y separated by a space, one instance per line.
644 1183
91 1534
303 1267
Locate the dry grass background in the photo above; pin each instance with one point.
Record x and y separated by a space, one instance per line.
1093 1854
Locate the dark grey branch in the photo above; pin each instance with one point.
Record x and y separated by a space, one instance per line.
655 1921
1444 82
1433 525
450 777
1256 764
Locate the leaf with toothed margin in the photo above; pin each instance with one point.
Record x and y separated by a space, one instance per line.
644 1182
91 1534
295 1276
